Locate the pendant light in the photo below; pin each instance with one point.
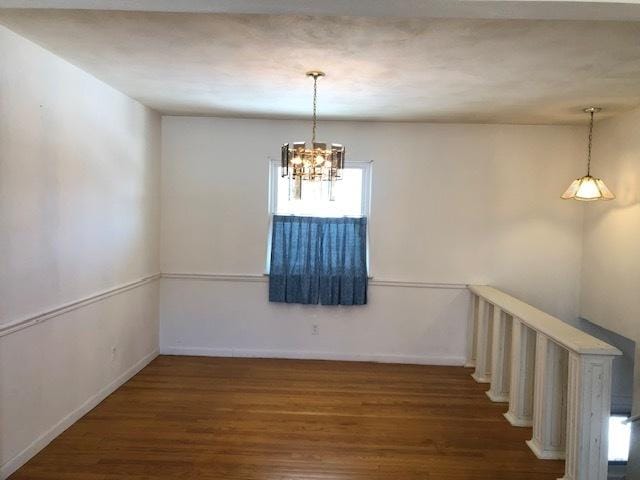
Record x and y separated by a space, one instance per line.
314 162
588 188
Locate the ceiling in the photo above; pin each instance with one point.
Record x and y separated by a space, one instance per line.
513 9
487 70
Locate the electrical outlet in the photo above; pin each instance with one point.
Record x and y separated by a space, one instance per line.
315 330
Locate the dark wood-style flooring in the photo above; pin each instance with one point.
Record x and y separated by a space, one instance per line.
233 419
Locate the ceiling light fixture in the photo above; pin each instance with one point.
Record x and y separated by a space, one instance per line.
314 162
588 188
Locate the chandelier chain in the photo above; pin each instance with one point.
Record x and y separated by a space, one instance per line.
590 139
315 107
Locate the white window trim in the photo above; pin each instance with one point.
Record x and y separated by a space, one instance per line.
366 166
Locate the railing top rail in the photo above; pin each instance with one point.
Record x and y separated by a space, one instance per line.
560 332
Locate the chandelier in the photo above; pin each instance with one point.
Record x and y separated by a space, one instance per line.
588 188
314 162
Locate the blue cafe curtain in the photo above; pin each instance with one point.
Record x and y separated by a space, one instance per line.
318 260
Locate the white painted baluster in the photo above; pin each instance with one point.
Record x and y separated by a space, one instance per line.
588 417
549 400
523 353
500 357
483 343
472 330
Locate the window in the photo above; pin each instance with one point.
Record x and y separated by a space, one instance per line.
318 248
619 438
351 194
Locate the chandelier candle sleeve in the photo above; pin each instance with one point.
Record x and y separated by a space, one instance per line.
315 161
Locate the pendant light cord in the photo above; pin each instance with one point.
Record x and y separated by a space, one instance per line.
590 139
315 106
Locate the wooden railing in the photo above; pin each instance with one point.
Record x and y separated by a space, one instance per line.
556 379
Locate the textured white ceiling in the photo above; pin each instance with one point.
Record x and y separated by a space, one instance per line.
515 9
404 69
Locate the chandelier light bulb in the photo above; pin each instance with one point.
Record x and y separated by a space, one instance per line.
588 189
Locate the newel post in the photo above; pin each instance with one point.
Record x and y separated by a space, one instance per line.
589 408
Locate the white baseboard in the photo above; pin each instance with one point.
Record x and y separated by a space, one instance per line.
43 440
311 355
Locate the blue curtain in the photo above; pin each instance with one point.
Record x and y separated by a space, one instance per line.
318 260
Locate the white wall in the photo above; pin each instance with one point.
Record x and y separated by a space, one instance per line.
233 318
611 265
450 204
79 214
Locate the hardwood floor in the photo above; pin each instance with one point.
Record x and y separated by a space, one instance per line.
230 418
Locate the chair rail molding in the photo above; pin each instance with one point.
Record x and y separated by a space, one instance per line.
559 379
16 325
264 278
12 326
